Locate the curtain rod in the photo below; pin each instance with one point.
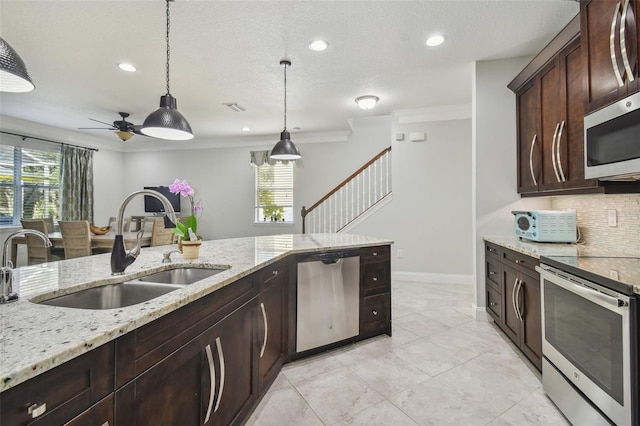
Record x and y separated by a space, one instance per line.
47 140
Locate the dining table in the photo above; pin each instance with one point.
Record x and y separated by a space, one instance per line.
97 241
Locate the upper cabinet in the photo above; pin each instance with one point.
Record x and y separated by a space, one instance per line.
609 37
551 100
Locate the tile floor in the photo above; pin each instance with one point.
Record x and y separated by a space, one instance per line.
441 367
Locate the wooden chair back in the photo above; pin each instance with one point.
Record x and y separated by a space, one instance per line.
76 238
161 236
36 251
125 226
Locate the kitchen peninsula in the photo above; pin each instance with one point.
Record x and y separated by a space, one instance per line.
38 338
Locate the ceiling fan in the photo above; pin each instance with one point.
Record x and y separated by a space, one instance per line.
122 128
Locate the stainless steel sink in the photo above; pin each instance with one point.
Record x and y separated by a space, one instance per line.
181 276
112 296
119 295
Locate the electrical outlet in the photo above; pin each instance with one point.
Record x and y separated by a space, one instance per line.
612 218
400 253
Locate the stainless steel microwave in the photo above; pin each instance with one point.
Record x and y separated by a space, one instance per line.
612 141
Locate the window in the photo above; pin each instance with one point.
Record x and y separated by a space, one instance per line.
274 192
29 183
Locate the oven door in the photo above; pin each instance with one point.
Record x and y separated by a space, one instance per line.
586 336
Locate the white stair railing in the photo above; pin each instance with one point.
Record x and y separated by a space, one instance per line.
352 198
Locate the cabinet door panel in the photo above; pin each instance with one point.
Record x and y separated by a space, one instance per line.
271 332
551 104
510 320
529 138
531 339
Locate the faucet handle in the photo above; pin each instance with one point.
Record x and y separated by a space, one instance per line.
6 285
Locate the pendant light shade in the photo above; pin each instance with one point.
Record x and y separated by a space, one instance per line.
285 149
166 122
14 76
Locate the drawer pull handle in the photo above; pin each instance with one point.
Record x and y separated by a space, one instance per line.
375 253
275 272
492 272
493 304
375 278
374 312
37 410
519 261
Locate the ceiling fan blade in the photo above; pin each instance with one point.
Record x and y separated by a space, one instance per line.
102 122
137 129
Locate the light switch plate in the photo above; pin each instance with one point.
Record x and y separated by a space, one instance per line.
612 218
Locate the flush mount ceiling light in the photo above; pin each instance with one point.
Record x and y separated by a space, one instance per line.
318 45
125 66
246 129
285 148
435 40
14 76
367 102
234 106
166 122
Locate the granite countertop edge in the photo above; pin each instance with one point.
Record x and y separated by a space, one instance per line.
35 338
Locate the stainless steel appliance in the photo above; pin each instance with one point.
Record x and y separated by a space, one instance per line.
590 338
550 226
611 147
328 300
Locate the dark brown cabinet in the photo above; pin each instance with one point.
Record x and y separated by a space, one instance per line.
209 380
611 61
272 322
375 291
513 300
60 394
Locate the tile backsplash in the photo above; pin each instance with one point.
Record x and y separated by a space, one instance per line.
592 213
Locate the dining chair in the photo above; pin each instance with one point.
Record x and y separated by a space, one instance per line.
76 238
161 236
36 251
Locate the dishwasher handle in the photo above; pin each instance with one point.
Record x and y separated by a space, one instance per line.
328 258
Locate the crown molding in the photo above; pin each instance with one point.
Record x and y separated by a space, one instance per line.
428 114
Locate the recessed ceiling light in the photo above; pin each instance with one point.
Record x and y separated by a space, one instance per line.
318 45
246 129
367 101
124 66
435 40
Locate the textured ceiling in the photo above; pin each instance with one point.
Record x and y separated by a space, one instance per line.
229 51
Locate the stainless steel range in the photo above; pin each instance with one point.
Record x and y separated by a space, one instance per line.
590 338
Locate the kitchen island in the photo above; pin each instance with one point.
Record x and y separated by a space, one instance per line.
38 338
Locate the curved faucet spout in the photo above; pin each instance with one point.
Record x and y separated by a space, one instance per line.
120 259
6 272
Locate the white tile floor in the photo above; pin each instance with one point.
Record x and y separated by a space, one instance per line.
441 367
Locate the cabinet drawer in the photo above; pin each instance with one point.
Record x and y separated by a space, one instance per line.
375 279
519 261
494 305
492 273
56 396
374 254
492 250
268 274
375 313
100 414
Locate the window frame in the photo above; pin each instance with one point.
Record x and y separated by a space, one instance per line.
289 186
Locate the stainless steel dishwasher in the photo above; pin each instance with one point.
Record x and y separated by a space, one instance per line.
328 307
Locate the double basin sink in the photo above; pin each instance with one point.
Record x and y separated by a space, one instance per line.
131 292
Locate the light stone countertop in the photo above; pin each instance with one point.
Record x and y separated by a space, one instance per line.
533 249
35 338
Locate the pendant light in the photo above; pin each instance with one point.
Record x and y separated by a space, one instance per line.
14 76
285 149
166 122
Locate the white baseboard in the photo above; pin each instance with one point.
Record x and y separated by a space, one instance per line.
480 313
433 278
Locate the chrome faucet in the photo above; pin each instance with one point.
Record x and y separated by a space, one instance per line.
166 256
120 258
6 271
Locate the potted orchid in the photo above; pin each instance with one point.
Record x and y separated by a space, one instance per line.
183 188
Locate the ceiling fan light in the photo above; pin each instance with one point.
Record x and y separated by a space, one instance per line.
285 149
14 76
367 102
124 136
166 122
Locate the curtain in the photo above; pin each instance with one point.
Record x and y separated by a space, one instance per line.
76 184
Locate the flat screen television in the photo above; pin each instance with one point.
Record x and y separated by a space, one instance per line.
153 205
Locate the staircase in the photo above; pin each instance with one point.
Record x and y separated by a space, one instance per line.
369 186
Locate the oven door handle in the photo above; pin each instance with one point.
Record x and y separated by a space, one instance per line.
583 289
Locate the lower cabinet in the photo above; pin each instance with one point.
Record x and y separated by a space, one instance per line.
513 300
206 381
272 328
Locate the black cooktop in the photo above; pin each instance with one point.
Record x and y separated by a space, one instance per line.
617 273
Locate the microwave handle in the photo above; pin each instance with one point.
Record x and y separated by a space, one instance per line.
533 176
553 152
612 46
623 43
562 177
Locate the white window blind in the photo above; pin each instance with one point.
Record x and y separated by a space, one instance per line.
29 183
274 192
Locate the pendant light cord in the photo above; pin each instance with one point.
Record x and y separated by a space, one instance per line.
285 97
168 52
